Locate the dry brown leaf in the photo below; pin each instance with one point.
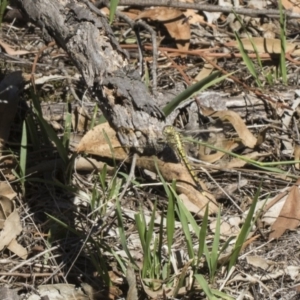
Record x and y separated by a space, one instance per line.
92 293
289 217
105 11
160 293
205 71
10 224
226 228
264 45
11 51
297 155
193 16
247 138
269 30
211 158
94 142
293 5
6 190
189 205
257 4
257 262
174 21
239 163
62 291
211 17
271 215
224 258
132 293
297 288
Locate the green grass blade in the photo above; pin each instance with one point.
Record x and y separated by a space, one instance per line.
99 261
166 271
186 231
54 182
188 215
215 248
260 165
3 4
119 260
247 60
33 133
221 295
215 81
202 235
23 155
67 131
68 172
63 154
170 221
244 231
150 230
102 177
282 21
250 39
170 214
49 131
142 231
102 120
141 228
93 119
110 147
112 9
153 267
121 230
204 285
63 224
169 108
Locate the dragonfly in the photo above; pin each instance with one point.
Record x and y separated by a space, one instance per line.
174 141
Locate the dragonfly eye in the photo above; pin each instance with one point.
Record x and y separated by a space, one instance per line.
168 130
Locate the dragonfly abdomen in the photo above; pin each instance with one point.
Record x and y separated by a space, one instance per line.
174 141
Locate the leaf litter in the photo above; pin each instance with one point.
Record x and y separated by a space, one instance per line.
260 132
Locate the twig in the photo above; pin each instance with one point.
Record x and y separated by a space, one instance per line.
155 55
273 13
69 81
134 26
37 57
107 28
255 91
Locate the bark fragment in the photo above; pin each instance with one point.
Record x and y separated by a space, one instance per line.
88 40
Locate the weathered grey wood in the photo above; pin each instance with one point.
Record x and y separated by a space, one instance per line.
249 108
87 38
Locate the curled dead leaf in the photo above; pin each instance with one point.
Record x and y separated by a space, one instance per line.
264 45
297 155
289 217
10 224
175 22
247 138
6 190
95 142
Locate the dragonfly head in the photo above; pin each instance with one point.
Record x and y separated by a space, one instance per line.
168 130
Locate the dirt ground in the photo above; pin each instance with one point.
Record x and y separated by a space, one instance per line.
70 194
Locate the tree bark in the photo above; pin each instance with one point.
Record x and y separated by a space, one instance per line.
87 38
